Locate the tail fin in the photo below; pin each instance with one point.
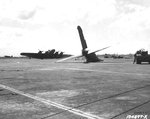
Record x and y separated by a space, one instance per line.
83 42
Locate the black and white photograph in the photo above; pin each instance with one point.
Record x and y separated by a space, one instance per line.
74 59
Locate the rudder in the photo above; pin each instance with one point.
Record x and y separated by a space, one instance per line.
83 42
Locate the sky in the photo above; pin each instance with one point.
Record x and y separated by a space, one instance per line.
32 25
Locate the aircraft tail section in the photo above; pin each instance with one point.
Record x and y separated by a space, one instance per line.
83 42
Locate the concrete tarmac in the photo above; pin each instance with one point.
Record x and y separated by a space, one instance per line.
43 89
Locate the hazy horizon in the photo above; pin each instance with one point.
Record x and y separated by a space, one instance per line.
29 25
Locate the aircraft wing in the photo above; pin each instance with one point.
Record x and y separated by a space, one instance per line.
28 54
99 50
68 58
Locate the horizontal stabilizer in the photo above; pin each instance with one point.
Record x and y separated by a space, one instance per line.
99 50
71 57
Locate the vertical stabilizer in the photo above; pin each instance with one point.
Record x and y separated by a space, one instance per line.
83 42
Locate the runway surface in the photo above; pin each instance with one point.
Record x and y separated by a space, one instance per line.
43 89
